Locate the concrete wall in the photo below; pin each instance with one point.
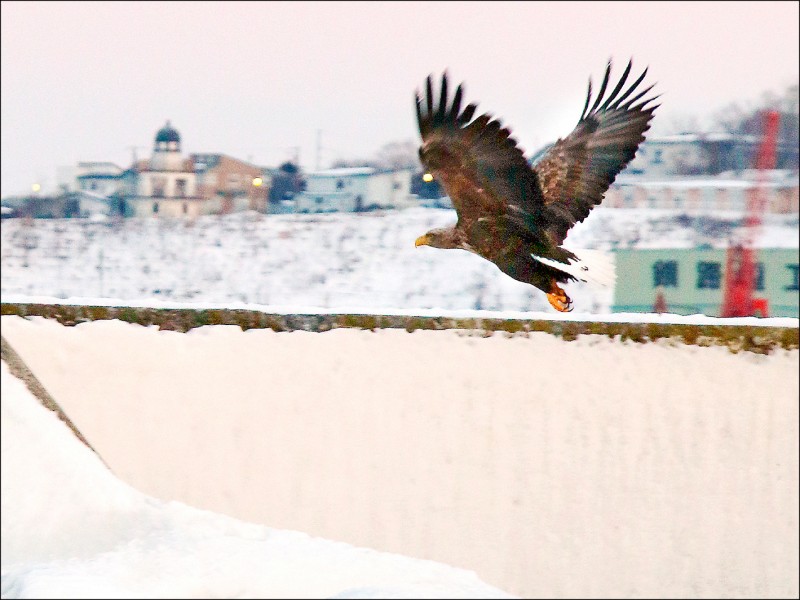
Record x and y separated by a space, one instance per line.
552 468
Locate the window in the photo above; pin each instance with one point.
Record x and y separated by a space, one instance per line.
180 188
234 181
665 272
793 270
339 184
159 183
709 275
185 208
657 159
628 198
758 284
155 207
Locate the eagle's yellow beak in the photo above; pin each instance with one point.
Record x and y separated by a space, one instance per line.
421 241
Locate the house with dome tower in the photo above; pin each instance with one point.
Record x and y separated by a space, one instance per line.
166 184
170 184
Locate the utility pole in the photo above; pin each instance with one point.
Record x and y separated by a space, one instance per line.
134 157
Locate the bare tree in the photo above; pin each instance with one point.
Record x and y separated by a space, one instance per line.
399 155
736 118
354 162
749 120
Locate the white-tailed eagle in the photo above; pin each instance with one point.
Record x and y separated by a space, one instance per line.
512 213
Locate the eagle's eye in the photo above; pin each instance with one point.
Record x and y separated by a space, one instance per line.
427 177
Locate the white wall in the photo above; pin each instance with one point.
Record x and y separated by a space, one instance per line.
591 468
169 207
382 190
376 189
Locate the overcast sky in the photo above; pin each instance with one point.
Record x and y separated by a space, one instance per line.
257 80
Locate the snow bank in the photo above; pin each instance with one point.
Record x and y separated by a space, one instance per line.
70 529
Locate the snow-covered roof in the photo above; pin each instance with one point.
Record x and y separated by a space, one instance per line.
98 169
693 183
683 138
784 175
729 179
94 195
344 172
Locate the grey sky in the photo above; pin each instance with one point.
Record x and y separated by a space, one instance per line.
85 81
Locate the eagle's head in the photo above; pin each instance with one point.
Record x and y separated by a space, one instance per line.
441 237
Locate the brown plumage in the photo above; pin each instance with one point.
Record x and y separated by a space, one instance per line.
509 212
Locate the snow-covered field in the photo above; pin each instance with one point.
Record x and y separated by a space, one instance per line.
550 468
328 261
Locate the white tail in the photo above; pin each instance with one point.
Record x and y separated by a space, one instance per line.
592 266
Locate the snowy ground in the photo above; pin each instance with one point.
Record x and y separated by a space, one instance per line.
591 468
325 261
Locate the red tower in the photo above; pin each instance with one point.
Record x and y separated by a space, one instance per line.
740 268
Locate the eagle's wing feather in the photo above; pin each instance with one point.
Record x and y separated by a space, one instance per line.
578 170
477 162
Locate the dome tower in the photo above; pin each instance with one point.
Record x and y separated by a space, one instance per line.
167 150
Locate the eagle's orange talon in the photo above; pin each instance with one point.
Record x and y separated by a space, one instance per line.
559 300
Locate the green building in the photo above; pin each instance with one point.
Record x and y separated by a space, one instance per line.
692 280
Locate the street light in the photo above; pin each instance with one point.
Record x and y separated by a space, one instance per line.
258 203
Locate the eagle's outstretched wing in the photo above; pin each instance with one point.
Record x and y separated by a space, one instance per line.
578 170
477 162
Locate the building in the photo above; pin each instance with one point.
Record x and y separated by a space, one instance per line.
100 178
166 184
228 184
355 189
708 172
688 154
62 206
703 154
725 192
169 184
690 281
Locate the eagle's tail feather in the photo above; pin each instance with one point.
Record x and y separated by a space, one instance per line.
592 266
